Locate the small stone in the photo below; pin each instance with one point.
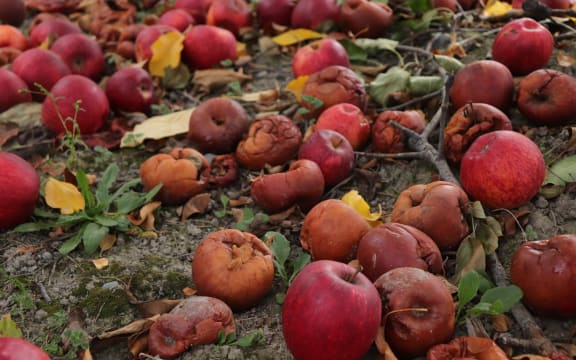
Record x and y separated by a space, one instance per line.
46 255
40 315
541 202
111 285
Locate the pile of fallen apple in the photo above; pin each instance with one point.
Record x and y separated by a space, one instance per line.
396 282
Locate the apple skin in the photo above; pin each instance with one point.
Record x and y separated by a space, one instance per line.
53 68
232 15
131 89
270 12
546 97
11 86
93 104
317 55
13 12
502 169
332 152
206 46
52 28
12 348
483 81
19 190
196 8
447 4
348 120
146 38
179 19
11 36
310 14
364 18
81 53
523 45
331 311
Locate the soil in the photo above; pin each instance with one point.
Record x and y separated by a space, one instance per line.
157 264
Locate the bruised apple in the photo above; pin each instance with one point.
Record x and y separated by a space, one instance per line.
302 184
197 320
233 266
364 18
217 125
393 245
502 169
348 120
545 271
12 348
223 171
439 209
317 55
19 190
271 140
331 230
183 173
331 311
467 347
388 139
418 310
12 85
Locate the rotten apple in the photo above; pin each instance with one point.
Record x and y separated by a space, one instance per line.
348 120
467 347
12 348
131 89
14 90
502 169
317 55
81 53
364 18
386 138
331 311
206 46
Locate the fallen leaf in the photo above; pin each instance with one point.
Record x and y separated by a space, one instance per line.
53 168
501 323
25 115
8 327
241 49
296 36
296 86
530 357
145 216
496 8
355 200
108 242
264 95
9 132
565 59
188 291
27 249
132 328
100 263
206 81
469 256
166 52
64 196
195 205
157 307
241 201
382 345
281 216
158 127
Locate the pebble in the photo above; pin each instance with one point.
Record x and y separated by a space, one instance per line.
541 202
47 255
40 315
111 285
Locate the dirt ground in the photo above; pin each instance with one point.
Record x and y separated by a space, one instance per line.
37 285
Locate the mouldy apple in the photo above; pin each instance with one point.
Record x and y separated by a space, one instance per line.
12 85
331 311
51 29
130 89
206 46
233 15
317 55
59 110
13 12
223 171
310 14
145 39
19 190
545 271
364 18
233 266
11 36
417 309
502 169
179 19
523 45
546 97
81 53
53 68
388 139
12 348
348 120
270 12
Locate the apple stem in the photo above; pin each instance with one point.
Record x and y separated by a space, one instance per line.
352 277
392 312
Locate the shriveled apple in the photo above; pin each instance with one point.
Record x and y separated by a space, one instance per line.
272 139
388 139
332 230
467 347
223 170
364 18
183 173
393 245
233 266
302 184
417 309
438 208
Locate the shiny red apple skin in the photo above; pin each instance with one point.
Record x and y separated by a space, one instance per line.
53 68
523 45
206 46
317 55
11 86
93 104
310 14
332 152
502 169
131 89
196 8
145 39
19 190
81 53
330 312
52 29
232 15
12 348
270 12
348 120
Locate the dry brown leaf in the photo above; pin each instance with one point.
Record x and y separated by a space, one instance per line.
26 249
237 214
188 291
264 95
100 263
108 242
241 201
87 355
134 327
145 216
501 323
195 205
369 70
565 59
383 347
530 357
137 344
53 168
157 307
281 216
569 348
7 134
206 81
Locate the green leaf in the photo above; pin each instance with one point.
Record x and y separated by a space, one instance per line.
562 172
129 201
280 246
423 85
469 256
92 236
280 297
250 339
247 219
125 188
477 210
314 102
301 260
104 220
356 53
507 295
9 328
419 5
105 184
449 63
486 235
468 288
394 80
73 242
84 187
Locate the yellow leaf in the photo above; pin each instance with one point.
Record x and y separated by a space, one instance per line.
166 52
100 263
354 199
295 36
158 127
241 49
296 86
496 8
64 196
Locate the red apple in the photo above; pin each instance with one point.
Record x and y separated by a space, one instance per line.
502 169
447 4
386 138
331 311
332 152
11 36
546 97
12 85
232 15
523 45
206 46
146 38
12 348
27 66
348 120
317 55
364 18
51 29
468 4
179 19
556 4
81 53
131 89
19 190
545 271
310 14
418 310
93 105
12 12
483 81
270 12
196 8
